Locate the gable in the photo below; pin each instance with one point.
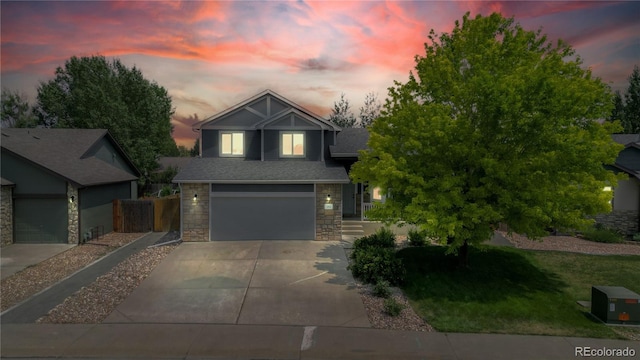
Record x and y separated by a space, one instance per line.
76 155
629 158
262 109
291 121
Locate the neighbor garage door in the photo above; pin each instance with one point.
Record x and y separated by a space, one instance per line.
41 221
262 212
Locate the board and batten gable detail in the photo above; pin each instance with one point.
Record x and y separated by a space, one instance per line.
262 120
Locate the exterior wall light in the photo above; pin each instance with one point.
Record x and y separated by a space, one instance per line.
195 197
328 197
72 199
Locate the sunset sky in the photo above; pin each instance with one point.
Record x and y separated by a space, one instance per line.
210 55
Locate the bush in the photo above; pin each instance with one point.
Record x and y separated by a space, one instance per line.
381 289
602 234
636 237
166 191
393 307
416 238
383 238
372 263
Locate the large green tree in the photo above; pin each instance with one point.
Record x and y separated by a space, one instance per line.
496 125
93 92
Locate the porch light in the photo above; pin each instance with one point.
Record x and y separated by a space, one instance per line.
328 197
195 197
72 199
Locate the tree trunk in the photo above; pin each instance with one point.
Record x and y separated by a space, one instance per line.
463 255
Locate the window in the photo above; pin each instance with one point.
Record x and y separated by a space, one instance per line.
375 194
292 144
232 144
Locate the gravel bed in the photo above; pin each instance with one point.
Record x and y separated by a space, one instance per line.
93 303
379 319
572 244
36 278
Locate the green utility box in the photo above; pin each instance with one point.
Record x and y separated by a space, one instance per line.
615 305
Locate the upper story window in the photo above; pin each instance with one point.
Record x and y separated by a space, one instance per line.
292 144
232 143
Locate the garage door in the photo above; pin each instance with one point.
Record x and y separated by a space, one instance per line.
41 221
262 212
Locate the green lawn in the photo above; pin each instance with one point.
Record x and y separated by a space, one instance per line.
514 291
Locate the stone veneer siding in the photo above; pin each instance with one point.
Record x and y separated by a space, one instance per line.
625 221
73 214
195 213
6 215
329 222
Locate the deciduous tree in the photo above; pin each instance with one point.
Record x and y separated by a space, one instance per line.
93 92
498 125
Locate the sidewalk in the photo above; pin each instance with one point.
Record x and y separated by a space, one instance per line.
197 341
41 303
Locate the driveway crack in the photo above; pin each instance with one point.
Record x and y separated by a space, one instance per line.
253 271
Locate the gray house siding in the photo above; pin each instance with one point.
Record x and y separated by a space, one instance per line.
108 153
96 207
30 179
209 139
629 158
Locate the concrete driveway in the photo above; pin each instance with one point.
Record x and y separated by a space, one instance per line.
248 282
16 257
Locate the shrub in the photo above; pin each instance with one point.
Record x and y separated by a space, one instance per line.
381 289
416 238
602 234
374 258
384 238
393 307
636 237
372 263
166 191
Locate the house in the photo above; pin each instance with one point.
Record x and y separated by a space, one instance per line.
62 183
625 214
269 169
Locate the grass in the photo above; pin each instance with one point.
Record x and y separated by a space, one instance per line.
514 291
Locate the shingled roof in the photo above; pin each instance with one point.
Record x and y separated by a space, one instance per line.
213 170
349 141
66 152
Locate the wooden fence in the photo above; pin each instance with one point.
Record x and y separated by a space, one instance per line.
166 213
145 215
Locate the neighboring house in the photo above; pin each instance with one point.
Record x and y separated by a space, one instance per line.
6 212
266 172
63 183
625 214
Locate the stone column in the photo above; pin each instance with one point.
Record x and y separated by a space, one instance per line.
73 214
195 212
6 216
329 221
